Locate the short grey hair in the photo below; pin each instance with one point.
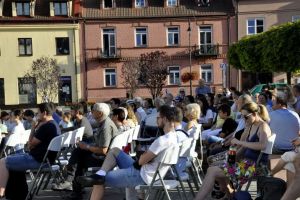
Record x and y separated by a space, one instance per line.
158 102
138 100
102 107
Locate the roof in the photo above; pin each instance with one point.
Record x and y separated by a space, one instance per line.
42 12
156 8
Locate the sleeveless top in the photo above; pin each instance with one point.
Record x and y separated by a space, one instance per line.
253 154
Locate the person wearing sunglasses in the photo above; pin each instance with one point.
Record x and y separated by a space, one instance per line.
253 140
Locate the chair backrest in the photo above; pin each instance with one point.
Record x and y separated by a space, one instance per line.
18 138
136 132
67 139
170 155
56 143
77 135
270 144
120 140
130 136
186 148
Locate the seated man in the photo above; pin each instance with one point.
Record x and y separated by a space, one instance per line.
285 124
90 155
41 136
133 173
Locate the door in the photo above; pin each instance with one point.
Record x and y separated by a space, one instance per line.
65 91
109 43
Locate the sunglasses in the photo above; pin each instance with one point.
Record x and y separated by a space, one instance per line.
247 116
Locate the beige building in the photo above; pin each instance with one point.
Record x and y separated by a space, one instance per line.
29 31
255 16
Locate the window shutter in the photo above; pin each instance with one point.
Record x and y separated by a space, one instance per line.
70 6
14 9
51 9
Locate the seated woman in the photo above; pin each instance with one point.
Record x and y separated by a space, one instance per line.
192 114
207 115
253 140
119 118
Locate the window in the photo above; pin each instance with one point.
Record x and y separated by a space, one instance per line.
108 3
60 8
110 77
206 73
23 8
109 43
25 46
295 18
172 3
174 75
173 36
2 93
62 46
139 3
255 26
27 90
205 39
141 37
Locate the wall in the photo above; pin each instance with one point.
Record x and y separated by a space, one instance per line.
13 66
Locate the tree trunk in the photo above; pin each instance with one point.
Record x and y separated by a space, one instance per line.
289 78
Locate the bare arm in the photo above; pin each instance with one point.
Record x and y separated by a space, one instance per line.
93 149
263 133
146 157
33 142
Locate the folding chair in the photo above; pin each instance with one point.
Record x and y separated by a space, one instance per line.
194 165
16 140
45 167
134 139
267 150
166 158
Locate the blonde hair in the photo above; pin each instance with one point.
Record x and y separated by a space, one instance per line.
193 110
260 109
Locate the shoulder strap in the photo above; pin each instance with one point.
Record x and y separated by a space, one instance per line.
183 131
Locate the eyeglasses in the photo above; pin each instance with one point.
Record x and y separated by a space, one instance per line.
247 116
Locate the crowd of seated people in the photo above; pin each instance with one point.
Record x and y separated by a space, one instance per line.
228 118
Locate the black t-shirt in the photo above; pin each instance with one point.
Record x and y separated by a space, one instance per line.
45 134
229 126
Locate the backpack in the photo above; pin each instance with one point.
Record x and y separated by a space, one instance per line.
270 188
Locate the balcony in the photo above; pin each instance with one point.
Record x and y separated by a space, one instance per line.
100 55
112 53
206 50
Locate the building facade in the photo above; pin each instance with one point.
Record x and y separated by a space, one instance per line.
113 32
256 16
32 29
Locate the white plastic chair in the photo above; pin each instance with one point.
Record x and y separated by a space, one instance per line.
166 158
45 167
15 140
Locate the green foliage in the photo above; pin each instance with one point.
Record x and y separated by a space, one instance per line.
276 50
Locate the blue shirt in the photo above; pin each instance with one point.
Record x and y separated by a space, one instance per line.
203 90
286 125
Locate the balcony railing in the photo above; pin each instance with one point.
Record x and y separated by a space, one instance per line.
207 50
114 53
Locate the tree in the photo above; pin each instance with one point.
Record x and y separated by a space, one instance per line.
154 71
130 71
276 50
47 75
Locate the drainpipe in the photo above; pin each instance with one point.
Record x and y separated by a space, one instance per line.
75 57
229 42
85 60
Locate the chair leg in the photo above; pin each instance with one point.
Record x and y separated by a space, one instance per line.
197 173
194 178
191 188
180 195
40 183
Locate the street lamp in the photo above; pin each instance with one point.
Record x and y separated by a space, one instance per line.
189 30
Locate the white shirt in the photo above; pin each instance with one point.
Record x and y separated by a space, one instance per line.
160 144
209 115
141 114
181 136
64 124
18 129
